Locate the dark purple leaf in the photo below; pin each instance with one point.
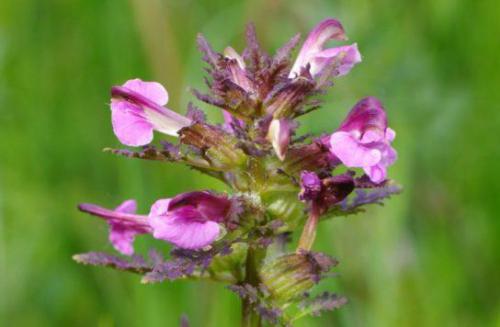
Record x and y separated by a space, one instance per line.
148 152
323 302
195 113
135 264
209 55
283 53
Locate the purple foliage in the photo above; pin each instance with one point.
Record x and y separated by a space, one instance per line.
184 263
255 297
135 264
323 302
371 196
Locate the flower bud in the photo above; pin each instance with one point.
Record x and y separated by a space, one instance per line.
325 192
279 135
313 156
288 99
218 147
291 275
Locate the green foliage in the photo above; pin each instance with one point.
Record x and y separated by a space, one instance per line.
429 258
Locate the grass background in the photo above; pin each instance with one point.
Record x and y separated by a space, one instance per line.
430 257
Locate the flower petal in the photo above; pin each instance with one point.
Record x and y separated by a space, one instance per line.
209 206
159 208
129 125
377 173
154 91
128 206
124 224
390 134
328 29
347 57
368 113
184 232
122 238
169 123
351 152
135 115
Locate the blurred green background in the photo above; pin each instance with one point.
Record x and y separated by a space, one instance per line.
430 257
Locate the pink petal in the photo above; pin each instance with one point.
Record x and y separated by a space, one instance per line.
154 91
328 29
136 110
201 205
368 113
183 232
129 206
351 152
159 208
124 224
128 124
377 173
390 134
372 135
347 55
389 156
122 238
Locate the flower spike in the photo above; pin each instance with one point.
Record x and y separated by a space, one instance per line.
278 185
137 109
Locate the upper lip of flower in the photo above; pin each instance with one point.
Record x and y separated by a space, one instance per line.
138 222
199 201
319 61
127 94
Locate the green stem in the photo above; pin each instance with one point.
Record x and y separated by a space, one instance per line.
249 317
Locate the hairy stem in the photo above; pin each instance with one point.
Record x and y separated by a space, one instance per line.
309 232
249 317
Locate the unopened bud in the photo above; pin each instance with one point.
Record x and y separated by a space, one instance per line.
291 275
217 146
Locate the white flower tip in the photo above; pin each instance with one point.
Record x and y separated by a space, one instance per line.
279 136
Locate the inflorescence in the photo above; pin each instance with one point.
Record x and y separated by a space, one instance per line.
278 183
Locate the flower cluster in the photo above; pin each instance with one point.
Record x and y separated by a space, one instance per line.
277 182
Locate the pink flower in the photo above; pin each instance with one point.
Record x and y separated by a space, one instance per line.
190 220
124 224
137 109
341 59
364 140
